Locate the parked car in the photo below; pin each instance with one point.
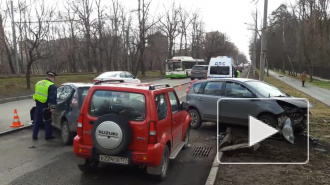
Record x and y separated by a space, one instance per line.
117 75
199 72
203 95
131 124
70 97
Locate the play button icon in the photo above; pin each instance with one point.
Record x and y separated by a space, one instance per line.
259 131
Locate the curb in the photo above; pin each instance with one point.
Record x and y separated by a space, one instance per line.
6 100
216 162
15 130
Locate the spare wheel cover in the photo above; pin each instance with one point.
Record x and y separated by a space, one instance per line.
109 135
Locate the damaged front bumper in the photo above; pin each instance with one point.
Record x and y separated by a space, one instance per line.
288 126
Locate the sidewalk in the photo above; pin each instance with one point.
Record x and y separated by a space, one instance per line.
320 94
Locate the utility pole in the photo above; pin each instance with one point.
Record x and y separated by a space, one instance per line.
263 44
254 64
14 37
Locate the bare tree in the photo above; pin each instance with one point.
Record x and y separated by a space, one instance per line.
168 24
36 44
83 8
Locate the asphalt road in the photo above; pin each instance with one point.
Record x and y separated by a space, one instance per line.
24 106
24 161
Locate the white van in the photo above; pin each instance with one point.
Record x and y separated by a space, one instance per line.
221 67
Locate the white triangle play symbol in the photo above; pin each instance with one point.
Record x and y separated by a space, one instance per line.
259 131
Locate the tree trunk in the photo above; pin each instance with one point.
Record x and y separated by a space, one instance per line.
27 76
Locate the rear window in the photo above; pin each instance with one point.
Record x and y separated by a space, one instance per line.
104 75
130 105
219 70
82 92
199 68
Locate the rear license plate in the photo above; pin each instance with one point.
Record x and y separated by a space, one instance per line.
114 159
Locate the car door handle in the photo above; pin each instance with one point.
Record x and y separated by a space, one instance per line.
200 99
224 101
174 121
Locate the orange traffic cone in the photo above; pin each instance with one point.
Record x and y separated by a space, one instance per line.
16 122
179 86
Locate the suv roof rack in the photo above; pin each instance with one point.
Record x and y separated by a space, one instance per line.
153 87
102 81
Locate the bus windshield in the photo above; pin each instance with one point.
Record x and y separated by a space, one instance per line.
174 66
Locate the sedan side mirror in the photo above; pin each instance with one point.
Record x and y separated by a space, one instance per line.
134 77
184 106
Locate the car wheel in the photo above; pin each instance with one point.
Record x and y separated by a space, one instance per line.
187 138
67 136
89 166
111 134
269 120
196 121
163 164
192 78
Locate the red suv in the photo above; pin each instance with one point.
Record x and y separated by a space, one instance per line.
131 124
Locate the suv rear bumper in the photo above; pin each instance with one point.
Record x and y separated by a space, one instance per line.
151 157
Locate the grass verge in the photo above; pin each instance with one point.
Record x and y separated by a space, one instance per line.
319 122
11 87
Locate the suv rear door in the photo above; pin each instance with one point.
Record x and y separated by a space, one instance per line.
207 99
104 101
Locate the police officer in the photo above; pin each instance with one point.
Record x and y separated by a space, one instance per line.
238 73
45 97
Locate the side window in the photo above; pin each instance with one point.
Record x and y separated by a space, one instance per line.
129 75
196 88
174 102
59 92
213 88
237 90
122 75
66 92
161 105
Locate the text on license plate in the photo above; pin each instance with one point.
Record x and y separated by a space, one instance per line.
113 159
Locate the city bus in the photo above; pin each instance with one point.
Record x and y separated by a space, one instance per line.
180 66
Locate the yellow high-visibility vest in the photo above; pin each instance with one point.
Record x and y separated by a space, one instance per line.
41 91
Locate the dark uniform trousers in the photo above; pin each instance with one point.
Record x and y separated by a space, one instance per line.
38 120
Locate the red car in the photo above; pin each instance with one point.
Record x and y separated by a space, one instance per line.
131 124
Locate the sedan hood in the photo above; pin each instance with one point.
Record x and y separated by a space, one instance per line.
300 103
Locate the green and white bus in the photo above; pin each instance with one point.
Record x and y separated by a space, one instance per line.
180 66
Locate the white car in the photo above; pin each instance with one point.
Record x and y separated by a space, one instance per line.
117 75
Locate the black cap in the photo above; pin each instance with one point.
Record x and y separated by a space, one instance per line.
51 73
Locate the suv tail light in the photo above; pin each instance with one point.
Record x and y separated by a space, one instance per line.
80 125
152 132
96 80
208 77
189 87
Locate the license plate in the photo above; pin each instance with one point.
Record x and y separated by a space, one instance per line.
114 159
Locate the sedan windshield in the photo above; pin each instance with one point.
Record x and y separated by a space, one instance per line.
266 90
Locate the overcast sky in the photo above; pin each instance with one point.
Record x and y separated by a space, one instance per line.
226 16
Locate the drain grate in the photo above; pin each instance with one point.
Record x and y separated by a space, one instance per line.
201 151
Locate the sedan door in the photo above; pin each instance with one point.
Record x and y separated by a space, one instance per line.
237 109
64 96
207 100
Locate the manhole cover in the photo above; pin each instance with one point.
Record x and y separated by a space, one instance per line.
201 151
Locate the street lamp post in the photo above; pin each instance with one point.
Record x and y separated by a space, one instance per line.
263 44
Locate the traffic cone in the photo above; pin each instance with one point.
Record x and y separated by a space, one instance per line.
179 86
16 121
